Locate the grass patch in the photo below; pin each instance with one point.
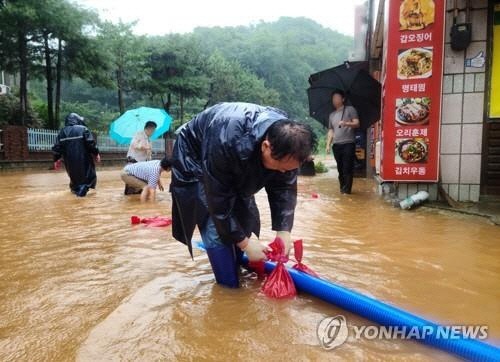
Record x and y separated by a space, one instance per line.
320 167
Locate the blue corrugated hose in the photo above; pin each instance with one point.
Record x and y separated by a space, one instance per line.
387 315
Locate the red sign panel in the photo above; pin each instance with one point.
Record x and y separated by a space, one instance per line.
412 77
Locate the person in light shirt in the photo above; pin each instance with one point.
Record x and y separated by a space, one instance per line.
140 150
140 147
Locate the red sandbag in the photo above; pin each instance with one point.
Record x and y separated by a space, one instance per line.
273 254
279 284
157 221
298 252
277 250
258 267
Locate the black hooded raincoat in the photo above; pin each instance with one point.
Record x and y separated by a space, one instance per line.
217 169
76 145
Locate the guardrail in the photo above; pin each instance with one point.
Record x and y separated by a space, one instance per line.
107 144
44 139
41 139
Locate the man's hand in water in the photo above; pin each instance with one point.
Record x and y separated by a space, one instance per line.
254 249
287 239
160 186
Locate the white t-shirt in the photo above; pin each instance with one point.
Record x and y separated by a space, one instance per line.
137 147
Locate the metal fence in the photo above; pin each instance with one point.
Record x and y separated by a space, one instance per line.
41 139
158 145
107 144
44 139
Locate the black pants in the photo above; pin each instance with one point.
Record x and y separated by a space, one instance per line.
345 154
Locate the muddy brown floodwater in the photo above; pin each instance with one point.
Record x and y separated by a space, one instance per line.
77 281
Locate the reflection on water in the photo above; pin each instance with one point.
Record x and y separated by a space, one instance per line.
77 281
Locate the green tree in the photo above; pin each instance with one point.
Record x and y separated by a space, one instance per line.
47 37
230 82
79 54
283 53
176 66
127 58
17 23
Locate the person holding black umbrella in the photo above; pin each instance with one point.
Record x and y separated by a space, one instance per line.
341 137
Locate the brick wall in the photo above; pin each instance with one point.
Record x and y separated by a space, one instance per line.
15 143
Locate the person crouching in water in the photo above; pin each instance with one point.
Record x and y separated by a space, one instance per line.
140 150
221 159
76 145
145 176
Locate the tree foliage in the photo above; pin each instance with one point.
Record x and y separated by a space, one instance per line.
103 68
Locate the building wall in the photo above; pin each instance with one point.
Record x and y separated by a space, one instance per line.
462 112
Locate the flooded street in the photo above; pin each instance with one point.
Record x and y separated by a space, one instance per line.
77 281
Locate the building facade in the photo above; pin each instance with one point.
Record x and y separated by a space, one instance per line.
468 151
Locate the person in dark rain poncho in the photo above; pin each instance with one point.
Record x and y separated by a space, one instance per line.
221 158
76 145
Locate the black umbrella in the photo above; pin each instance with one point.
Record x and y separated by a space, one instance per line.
362 91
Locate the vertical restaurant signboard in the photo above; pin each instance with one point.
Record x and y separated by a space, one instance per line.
411 103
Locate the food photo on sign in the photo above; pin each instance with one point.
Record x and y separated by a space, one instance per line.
416 14
412 111
415 63
411 150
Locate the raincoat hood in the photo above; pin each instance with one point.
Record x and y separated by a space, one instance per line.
77 146
74 119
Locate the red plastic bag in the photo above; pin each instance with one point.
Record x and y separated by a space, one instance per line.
273 254
279 284
157 221
258 267
298 252
57 164
277 250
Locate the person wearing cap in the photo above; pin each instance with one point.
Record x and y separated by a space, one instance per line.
76 145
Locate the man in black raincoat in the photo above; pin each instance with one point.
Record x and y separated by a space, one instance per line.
221 158
76 145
